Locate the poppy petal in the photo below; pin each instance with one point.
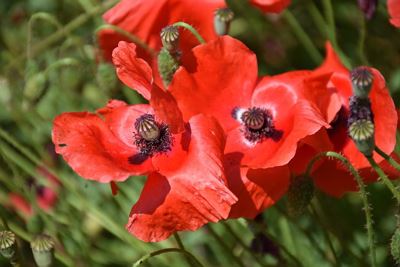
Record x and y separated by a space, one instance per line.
188 193
219 78
271 6
131 70
92 150
394 12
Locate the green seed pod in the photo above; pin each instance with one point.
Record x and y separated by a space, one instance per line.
42 248
167 65
361 79
395 246
170 38
300 194
222 20
362 133
7 244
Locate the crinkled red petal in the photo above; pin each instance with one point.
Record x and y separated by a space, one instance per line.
190 188
271 6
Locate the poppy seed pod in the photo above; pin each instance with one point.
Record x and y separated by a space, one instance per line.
7 244
42 248
222 20
361 79
170 38
300 194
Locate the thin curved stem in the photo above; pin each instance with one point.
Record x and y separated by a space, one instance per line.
363 193
191 29
303 37
330 17
361 41
129 35
388 158
384 178
163 251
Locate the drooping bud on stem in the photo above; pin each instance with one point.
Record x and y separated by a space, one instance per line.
361 79
222 20
42 249
170 38
7 244
300 194
361 125
368 7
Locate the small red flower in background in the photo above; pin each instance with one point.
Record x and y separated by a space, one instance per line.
146 18
271 6
394 12
330 176
46 196
186 186
264 120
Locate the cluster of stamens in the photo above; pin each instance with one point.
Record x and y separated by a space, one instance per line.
258 124
151 137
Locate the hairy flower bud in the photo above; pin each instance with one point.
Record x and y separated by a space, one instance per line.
300 194
170 38
395 246
222 20
7 244
361 79
167 65
42 248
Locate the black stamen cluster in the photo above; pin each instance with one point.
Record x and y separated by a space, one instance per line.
360 109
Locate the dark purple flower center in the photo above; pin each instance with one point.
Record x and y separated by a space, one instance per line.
360 109
258 124
151 137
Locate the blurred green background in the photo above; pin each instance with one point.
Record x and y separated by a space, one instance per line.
48 65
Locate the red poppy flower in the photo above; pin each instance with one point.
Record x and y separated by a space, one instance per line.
146 18
271 6
46 196
394 12
331 177
186 187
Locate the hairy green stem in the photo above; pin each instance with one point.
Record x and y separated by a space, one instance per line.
388 158
361 41
384 178
191 29
363 193
163 251
304 39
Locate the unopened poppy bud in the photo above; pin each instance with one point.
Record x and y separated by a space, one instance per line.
170 38
167 65
7 244
106 77
362 133
42 248
361 79
35 86
147 128
222 20
300 194
395 246
368 7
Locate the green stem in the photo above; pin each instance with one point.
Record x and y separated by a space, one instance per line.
225 246
128 35
191 29
326 234
303 37
330 17
182 247
240 241
163 251
388 158
363 193
361 41
63 32
384 178
319 20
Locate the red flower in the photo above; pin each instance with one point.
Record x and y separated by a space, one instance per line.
263 120
46 196
331 177
186 187
394 12
146 18
271 6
